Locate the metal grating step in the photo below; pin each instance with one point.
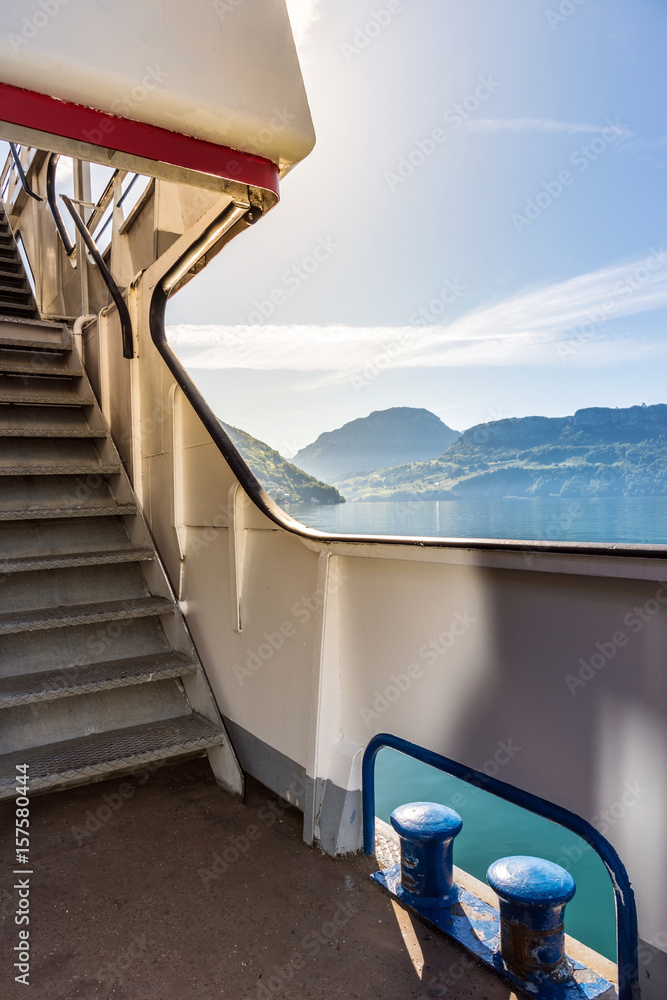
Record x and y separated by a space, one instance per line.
42 457
46 422
36 364
10 308
52 684
66 560
39 333
10 262
90 468
89 757
108 510
84 614
30 497
11 277
45 392
14 294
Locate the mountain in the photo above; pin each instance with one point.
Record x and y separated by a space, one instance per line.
595 452
385 437
281 480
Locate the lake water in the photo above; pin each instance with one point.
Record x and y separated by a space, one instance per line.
491 827
591 519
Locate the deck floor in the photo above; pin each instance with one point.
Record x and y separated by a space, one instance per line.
159 886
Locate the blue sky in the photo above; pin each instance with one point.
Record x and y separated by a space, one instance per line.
526 239
480 230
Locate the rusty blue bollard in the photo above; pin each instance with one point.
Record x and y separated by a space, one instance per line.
427 831
533 894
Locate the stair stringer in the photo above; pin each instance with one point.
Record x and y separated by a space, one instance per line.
223 760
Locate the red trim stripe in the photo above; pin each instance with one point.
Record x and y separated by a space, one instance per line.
74 121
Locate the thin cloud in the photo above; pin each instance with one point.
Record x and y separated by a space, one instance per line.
539 125
574 318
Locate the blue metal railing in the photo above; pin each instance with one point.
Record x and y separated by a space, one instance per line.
626 911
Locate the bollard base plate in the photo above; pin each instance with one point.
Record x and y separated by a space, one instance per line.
474 925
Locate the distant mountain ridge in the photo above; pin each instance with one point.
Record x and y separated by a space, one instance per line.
384 438
281 480
597 451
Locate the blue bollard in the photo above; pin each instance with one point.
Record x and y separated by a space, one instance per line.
427 832
532 894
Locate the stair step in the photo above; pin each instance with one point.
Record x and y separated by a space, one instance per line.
10 262
49 392
30 652
46 422
34 497
37 333
9 308
75 680
67 560
39 363
94 756
84 614
42 457
110 510
14 294
69 538
12 277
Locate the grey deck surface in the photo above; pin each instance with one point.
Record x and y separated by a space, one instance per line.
160 886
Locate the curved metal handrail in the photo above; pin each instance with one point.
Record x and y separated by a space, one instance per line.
53 204
114 290
626 910
22 177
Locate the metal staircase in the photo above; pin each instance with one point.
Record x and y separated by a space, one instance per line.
98 675
16 298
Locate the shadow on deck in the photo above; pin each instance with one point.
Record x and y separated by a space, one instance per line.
160 886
